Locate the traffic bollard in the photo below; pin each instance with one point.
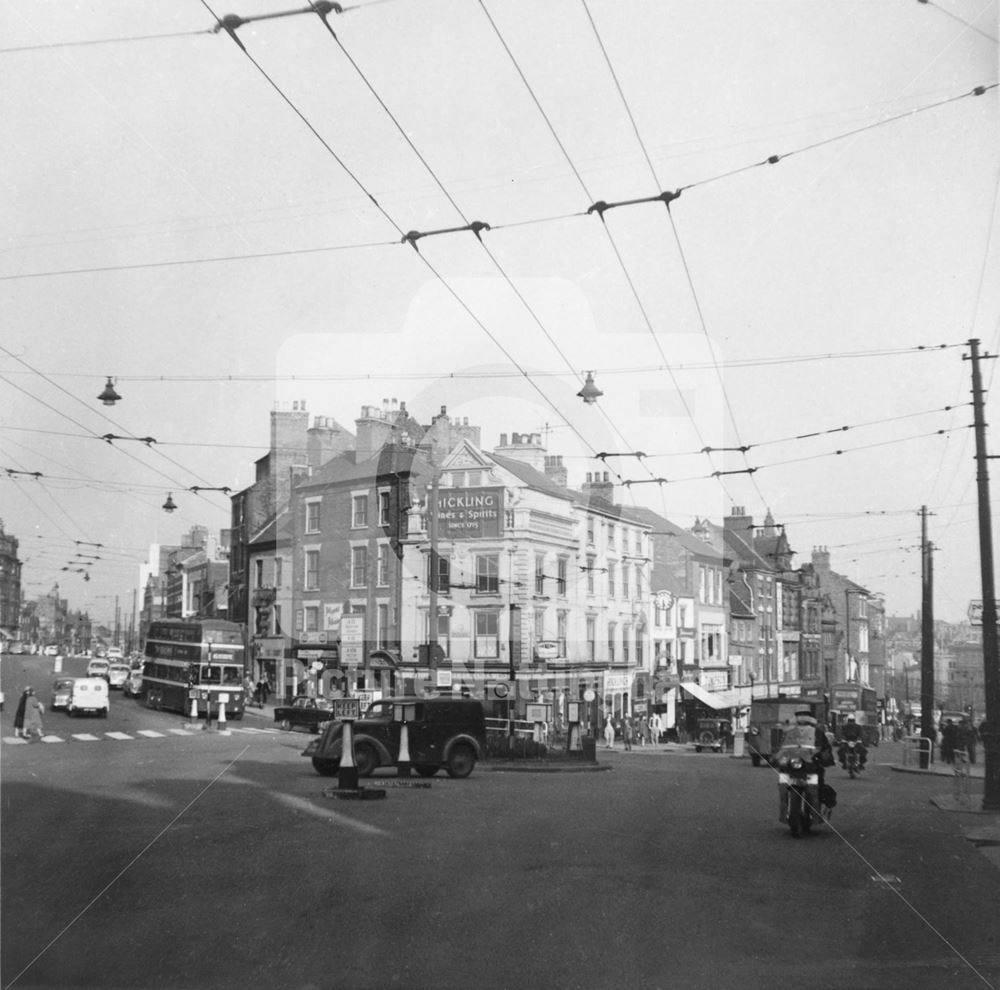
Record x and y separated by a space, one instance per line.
347 778
403 764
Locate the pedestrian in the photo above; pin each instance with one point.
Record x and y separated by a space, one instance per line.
258 694
628 731
655 727
32 715
266 690
19 714
609 731
949 741
967 739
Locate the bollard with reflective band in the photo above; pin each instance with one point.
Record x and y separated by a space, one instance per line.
222 717
403 764
347 778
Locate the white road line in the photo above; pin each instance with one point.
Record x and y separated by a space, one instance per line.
150 734
86 737
118 735
180 732
263 732
53 739
15 740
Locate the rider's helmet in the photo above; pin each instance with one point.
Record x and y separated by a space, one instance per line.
850 718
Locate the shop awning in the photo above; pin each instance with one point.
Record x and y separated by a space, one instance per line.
714 699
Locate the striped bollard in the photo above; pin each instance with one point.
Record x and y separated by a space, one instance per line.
403 763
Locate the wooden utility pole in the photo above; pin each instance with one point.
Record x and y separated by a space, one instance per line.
991 664
926 642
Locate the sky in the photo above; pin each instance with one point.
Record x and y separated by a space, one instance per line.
220 229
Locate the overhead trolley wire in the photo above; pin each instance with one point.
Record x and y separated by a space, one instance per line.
587 193
667 198
476 227
771 160
954 16
403 237
104 41
810 457
479 375
92 433
776 158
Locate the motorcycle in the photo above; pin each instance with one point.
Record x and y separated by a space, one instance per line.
802 802
850 757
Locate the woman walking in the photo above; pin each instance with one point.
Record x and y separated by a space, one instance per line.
19 714
32 715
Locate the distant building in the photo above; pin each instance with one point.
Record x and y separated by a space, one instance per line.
10 586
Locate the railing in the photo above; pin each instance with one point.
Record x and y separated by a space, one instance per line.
502 726
917 750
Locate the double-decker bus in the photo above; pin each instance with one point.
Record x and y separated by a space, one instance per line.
861 702
195 662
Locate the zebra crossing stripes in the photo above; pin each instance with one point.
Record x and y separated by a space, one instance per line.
137 735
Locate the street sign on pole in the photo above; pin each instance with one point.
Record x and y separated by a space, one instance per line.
346 708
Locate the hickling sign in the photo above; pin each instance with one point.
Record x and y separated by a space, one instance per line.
469 513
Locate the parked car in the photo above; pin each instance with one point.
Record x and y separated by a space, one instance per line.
52 650
713 734
98 668
133 684
441 732
90 694
115 654
62 692
304 713
118 675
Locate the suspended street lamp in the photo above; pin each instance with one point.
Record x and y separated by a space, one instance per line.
109 396
590 393
169 505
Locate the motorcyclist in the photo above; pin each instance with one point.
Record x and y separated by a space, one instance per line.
805 731
850 731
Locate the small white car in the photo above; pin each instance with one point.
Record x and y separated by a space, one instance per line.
90 694
133 686
98 668
117 675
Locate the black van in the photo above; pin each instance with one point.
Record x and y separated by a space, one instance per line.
441 732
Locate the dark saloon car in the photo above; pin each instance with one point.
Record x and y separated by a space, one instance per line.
713 734
303 713
441 732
